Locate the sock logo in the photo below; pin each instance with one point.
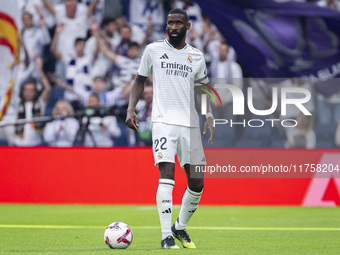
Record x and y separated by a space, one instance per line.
193 203
167 210
166 201
192 211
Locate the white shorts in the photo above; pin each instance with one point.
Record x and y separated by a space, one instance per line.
169 140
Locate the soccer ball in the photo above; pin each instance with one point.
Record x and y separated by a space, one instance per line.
118 235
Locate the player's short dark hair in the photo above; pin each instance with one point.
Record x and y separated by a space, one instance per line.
79 39
133 44
179 11
106 21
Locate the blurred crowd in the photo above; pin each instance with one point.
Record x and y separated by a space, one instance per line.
81 54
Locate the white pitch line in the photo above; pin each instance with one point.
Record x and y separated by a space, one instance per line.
156 227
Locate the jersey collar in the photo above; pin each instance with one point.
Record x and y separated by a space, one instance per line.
168 43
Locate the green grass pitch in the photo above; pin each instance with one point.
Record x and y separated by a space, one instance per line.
79 229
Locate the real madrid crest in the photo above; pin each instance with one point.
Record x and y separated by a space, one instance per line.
160 155
189 59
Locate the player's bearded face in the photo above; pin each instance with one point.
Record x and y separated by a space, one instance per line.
176 28
176 37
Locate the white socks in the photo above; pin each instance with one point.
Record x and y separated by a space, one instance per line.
164 205
189 205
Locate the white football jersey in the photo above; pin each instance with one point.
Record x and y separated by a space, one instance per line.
175 73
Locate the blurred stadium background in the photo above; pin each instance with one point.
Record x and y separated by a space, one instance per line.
58 69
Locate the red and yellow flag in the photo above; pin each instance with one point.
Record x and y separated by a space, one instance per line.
9 51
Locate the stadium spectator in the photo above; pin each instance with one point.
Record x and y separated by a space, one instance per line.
125 34
102 129
303 135
60 9
61 132
144 112
144 19
225 71
102 65
332 4
224 66
116 97
98 11
138 34
34 37
212 40
194 13
74 24
196 20
142 13
127 66
113 8
32 105
77 68
26 69
328 108
37 9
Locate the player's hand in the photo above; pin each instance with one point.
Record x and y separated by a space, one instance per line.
132 120
209 124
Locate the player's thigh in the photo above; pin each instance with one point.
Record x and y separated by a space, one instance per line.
190 149
164 142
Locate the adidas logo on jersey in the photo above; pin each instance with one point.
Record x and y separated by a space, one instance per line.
164 56
167 211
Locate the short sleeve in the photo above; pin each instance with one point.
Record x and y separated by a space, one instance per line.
145 66
202 74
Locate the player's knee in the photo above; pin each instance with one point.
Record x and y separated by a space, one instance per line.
196 185
166 175
166 171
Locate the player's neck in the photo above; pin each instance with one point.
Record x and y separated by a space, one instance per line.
179 46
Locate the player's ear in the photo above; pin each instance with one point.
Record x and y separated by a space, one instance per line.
188 25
